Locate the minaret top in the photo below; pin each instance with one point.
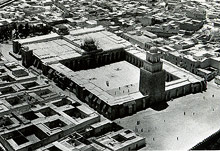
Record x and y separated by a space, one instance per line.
152 55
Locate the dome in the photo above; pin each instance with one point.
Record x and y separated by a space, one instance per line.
26 48
153 50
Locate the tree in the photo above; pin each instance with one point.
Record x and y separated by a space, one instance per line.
16 34
10 31
20 29
33 30
48 29
26 30
6 35
1 34
14 26
45 30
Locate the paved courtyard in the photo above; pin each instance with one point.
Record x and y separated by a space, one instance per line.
171 129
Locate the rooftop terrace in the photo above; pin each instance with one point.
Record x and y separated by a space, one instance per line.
54 50
105 40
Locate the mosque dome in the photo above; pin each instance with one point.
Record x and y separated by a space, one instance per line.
153 50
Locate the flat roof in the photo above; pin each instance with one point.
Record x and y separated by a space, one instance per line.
149 34
86 30
180 73
204 71
109 140
167 66
54 50
104 122
38 38
105 40
142 38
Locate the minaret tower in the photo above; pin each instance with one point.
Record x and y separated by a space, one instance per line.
152 76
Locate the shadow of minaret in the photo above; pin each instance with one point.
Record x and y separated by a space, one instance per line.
159 107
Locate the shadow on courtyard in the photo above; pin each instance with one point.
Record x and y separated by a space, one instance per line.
159 107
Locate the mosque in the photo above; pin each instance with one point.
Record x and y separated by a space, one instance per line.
117 80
